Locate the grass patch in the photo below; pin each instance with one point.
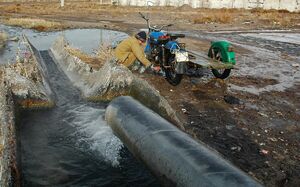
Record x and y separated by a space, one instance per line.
270 17
94 61
278 18
103 54
3 38
215 16
37 24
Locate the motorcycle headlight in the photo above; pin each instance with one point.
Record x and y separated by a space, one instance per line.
182 56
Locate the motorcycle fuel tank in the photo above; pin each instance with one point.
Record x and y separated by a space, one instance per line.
153 39
154 36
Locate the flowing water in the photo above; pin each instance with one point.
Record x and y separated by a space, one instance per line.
71 144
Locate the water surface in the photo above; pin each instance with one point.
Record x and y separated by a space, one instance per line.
87 40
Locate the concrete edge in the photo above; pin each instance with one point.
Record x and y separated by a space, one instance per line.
37 103
110 81
27 80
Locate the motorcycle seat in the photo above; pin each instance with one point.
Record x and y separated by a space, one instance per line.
174 35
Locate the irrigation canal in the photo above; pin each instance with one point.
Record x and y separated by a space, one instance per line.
71 144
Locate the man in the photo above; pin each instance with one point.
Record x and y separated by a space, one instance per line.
132 49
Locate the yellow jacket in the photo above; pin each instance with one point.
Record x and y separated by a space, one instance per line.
128 46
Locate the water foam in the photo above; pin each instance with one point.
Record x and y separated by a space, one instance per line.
93 130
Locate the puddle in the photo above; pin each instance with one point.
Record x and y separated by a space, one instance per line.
87 40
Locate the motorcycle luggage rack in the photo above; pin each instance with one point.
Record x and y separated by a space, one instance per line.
203 60
192 57
175 35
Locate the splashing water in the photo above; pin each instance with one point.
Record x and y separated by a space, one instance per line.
92 128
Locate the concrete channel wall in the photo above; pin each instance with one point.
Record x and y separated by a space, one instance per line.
110 81
290 5
26 78
22 84
8 162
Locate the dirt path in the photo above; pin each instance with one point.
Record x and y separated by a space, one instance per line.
253 117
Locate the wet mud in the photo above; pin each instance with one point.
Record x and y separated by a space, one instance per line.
251 118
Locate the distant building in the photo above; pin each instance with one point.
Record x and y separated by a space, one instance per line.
291 5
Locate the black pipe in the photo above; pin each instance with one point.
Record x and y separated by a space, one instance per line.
173 156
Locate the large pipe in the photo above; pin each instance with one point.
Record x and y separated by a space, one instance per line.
173 156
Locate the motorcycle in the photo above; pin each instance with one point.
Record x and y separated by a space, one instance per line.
164 50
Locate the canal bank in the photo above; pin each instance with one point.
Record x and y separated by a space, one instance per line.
9 173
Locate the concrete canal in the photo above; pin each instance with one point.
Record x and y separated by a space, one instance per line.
71 144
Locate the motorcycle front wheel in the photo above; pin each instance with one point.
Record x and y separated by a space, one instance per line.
172 77
221 73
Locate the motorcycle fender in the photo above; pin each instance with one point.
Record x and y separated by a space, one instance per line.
181 67
228 55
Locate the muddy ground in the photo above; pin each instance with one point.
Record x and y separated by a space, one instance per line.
251 118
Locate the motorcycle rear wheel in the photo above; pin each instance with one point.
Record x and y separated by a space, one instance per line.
172 77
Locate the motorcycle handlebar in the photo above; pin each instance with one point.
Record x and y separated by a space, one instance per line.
165 26
153 28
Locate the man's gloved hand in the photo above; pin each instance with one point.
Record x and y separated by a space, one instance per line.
152 68
156 68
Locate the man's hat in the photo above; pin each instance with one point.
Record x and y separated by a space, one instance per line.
141 36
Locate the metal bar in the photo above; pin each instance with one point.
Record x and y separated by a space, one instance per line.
203 60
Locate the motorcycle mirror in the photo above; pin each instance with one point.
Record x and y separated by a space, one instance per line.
150 3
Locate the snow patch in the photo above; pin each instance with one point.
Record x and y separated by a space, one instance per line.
293 38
